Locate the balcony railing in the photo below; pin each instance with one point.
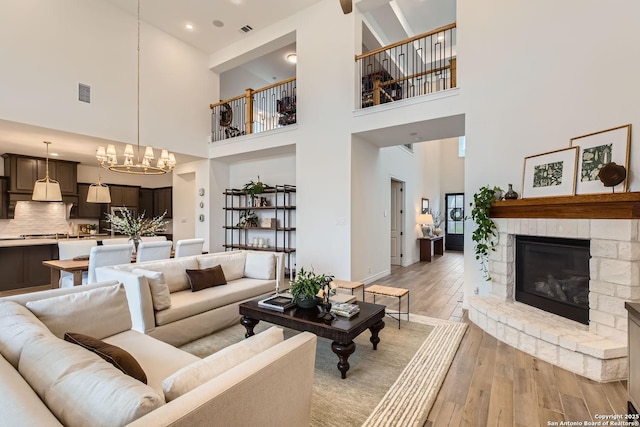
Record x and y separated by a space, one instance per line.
417 66
256 111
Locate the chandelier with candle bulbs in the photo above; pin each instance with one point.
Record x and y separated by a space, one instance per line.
108 157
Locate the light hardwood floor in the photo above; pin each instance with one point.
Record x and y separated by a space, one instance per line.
489 382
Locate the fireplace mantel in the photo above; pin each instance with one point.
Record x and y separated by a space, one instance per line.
587 206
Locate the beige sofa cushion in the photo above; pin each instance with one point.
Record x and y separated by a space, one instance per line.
260 266
232 263
80 388
17 325
98 312
198 373
160 294
146 351
173 270
20 405
186 303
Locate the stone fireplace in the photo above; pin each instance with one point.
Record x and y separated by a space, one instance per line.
597 350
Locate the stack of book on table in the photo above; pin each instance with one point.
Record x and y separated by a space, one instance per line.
345 309
278 302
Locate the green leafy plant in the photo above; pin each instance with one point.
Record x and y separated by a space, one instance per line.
308 284
485 235
248 219
254 188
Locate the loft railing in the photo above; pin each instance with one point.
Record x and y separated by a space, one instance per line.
256 111
417 66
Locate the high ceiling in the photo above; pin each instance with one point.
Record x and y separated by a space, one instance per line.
386 22
171 16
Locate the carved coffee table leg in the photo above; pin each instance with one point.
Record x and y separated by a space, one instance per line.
343 351
374 333
249 324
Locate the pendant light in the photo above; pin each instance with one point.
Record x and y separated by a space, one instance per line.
98 193
47 190
143 165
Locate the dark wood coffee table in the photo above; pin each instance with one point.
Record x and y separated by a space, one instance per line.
341 330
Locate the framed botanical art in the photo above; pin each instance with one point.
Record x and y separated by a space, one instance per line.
550 174
597 150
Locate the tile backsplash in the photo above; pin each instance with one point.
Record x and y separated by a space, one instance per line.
37 218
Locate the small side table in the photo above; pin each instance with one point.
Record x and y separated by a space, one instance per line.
426 245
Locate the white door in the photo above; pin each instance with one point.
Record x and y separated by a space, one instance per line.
397 203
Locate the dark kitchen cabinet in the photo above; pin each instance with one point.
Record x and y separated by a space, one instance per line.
4 197
163 201
145 202
22 266
86 209
124 196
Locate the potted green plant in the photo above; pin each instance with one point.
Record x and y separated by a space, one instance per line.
92 228
485 235
306 286
252 189
248 219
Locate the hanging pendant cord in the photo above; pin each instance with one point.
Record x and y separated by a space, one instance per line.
138 83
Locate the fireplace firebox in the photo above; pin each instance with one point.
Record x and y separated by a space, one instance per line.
552 274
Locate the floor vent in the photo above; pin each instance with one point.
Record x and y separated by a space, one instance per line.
246 29
84 93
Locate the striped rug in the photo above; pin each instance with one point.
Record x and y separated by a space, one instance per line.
395 385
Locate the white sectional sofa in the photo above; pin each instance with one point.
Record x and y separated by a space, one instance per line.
183 315
47 381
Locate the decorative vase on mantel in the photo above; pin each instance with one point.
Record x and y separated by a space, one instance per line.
510 194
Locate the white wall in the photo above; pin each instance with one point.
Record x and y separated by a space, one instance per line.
451 171
535 74
188 178
48 47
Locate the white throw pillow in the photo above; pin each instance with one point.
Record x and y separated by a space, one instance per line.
99 312
17 325
158 286
260 266
198 373
232 263
80 388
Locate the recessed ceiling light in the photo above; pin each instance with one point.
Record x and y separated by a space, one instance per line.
218 23
189 27
54 154
292 57
440 38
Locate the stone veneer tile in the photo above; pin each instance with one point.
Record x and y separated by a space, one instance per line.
604 248
611 305
571 360
614 229
567 228
584 229
603 348
541 227
547 352
528 343
603 288
629 251
619 271
628 292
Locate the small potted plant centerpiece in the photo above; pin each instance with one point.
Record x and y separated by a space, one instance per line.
306 287
92 228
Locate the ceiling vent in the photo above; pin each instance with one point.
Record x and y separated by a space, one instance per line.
84 93
246 29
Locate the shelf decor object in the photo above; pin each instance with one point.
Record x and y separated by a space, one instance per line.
596 150
109 159
425 220
550 174
47 189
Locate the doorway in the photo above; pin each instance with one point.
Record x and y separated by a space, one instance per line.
397 212
454 221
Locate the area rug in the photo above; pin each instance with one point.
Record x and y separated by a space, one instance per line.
395 385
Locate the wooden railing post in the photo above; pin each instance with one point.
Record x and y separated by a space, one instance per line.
248 125
376 92
454 82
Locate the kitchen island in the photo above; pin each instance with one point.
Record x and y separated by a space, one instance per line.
21 260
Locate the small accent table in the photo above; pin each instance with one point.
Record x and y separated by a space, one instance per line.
426 244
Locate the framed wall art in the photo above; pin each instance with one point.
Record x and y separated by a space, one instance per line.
550 174
597 150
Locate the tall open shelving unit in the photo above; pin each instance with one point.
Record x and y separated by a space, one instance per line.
280 207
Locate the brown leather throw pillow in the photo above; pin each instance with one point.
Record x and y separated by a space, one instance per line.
206 278
118 357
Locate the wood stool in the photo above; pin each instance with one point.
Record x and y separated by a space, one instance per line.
345 284
388 291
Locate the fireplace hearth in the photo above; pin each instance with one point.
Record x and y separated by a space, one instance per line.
552 274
